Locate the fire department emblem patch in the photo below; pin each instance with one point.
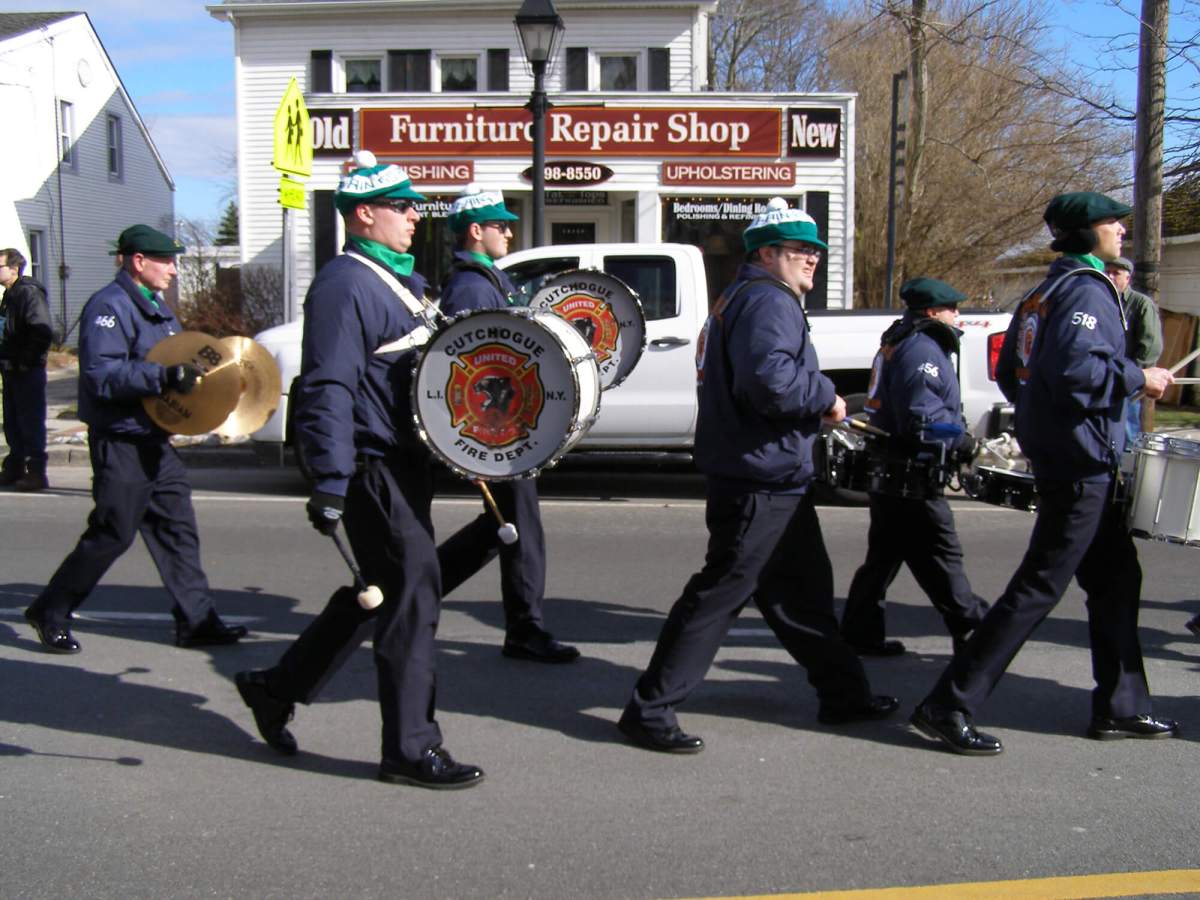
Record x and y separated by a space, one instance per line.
494 394
594 319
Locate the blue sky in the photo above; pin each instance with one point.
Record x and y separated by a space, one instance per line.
177 63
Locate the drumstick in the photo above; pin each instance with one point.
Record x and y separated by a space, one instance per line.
369 596
1187 380
864 426
507 530
1183 362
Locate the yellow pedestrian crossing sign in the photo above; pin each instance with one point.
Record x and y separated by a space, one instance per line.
293 137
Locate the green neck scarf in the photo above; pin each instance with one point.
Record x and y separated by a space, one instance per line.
483 258
401 263
1088 260
149 295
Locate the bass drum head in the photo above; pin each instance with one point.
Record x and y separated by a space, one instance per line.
606 311
496 394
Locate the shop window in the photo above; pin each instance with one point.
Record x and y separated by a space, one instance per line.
459 73
658 69
408 70
66 135
320 71
497 73
653 278
618 72
531 275
116 148
363 76
577 69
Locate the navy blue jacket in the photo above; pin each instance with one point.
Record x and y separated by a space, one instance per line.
760 388
914 383
116 331
1063 365
468 288
351 402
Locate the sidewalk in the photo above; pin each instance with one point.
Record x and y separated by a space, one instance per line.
66 436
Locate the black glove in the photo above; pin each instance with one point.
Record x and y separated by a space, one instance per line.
325 511
181 378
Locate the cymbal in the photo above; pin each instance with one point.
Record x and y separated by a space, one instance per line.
215 394
261 387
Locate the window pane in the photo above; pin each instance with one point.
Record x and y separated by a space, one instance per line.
530 276
363 76
114 145
66 115
652 277
459 74
618 73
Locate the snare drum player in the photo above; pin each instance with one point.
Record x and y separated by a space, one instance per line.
1063 365
480 224
914 386
371 472
139 483
762 399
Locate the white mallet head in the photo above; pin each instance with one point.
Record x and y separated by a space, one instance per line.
508 533
370 598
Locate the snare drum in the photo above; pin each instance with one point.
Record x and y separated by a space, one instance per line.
1001 487
911 478
845 464
502 394
1165 501
607 313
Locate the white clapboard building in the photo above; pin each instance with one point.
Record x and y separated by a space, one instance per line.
79 165
637 148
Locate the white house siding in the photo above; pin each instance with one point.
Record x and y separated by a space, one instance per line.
274 45
1179 277
94 208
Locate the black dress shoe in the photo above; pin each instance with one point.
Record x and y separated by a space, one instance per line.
878 707
1193 625
664 740
55 640
539 646
209 632
436 769
954 729
1145 727
882 648
271 714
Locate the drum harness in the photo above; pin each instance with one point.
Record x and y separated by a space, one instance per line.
422 310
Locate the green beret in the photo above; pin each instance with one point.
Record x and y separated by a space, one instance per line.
477 205
924 293
146 240
372 182
779 223
1068 212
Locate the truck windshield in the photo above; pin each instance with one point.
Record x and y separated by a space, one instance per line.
531 275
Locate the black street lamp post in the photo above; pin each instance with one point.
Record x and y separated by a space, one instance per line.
539 29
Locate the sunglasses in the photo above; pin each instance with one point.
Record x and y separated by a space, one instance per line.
802 250
400 206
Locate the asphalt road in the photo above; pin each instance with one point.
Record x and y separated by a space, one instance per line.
134 770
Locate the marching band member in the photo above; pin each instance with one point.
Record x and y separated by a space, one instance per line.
1064 367
139 483
370 471
914 386
762 400
480 223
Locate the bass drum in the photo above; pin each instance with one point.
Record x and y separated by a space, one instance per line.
503 394
606 311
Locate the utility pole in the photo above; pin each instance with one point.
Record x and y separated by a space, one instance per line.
1148 147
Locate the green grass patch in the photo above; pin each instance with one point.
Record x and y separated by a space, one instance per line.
1166 417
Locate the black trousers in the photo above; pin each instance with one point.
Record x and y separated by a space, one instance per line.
921 535
387 521
25 420
1078 533
522 565
762 546
139 487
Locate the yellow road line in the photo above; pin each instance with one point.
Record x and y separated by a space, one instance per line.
1073 887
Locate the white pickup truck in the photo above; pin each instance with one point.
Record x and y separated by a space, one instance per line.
654 409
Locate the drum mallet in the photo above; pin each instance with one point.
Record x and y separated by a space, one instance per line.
507 531
864 426
369 596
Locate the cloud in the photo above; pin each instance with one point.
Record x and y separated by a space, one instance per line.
196 146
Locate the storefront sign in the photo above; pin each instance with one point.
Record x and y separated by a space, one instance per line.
715 174
430 171
714 209
593 130
577 198
814 133
331 131
571 173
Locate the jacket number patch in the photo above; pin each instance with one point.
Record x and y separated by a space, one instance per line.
1081 318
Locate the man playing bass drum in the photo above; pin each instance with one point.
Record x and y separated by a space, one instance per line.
914 396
